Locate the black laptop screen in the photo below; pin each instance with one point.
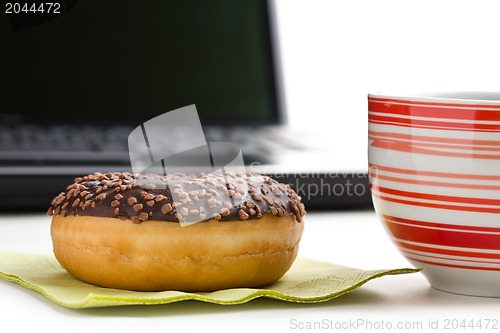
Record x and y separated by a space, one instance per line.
131 60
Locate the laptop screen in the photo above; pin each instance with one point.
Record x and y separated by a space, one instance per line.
128 61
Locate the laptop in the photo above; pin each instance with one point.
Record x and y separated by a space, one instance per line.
75 81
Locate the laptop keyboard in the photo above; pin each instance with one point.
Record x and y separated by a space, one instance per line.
109 144
63 138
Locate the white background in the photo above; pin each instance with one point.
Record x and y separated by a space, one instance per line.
336 52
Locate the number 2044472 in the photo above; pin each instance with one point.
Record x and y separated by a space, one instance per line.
34 8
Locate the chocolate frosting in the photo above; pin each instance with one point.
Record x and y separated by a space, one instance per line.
177 197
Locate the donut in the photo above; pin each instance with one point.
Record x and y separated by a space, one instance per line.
176 232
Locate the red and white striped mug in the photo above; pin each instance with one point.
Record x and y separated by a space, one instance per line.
435 181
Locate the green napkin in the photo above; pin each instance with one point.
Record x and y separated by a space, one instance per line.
307 281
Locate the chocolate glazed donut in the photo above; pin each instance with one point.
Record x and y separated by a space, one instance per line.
123 231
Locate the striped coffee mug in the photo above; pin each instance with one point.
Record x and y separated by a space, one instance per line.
435 180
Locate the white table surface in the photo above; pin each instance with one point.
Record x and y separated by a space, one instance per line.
354 239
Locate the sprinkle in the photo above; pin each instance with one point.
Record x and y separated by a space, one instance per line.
136 220
76 202
224 212
117 211
167 208
143 216
137 207
150 203
242 214
264 189
269 201
101 196
160 198
184 211
227 204
115 203
274 211
131 201
149 196
59 200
